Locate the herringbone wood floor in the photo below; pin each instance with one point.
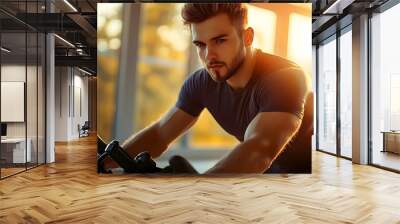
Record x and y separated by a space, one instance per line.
70 191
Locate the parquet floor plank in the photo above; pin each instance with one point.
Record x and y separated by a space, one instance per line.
70 191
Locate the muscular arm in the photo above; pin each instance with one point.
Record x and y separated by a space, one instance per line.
265 138
156 137
281 97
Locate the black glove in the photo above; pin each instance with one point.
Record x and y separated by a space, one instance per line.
145 164
142 163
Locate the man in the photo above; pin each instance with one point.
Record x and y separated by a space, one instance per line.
256 97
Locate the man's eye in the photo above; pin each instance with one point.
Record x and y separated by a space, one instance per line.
219 41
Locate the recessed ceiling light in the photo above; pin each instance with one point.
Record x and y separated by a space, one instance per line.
337 7
84 71
5 49
64 40
71 6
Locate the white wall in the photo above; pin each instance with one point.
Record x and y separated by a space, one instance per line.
33 127
13 73
82 83
61 103
71 94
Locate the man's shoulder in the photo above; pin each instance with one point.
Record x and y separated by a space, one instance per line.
274 68
199 75
269 63
198 80
273 71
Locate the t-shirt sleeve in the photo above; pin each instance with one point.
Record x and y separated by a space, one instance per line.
190 95
283 91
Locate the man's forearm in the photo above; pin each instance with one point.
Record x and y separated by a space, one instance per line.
156 137
147 139
248 157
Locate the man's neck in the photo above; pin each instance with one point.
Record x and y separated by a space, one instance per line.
242 76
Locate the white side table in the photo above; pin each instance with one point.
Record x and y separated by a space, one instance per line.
19 155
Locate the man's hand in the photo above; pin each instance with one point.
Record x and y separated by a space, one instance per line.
265 138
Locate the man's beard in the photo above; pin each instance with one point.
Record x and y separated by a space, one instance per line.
231 70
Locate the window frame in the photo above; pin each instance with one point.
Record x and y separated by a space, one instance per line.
334 37
379 10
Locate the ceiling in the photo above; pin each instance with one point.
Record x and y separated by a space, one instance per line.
329 16
78 27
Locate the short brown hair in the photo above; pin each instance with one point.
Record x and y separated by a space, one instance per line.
199 12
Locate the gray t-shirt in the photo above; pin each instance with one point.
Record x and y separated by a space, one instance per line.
276 85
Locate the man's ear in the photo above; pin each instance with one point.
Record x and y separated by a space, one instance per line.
248 36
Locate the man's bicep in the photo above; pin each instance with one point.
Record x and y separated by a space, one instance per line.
174 123
273 130
284 91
